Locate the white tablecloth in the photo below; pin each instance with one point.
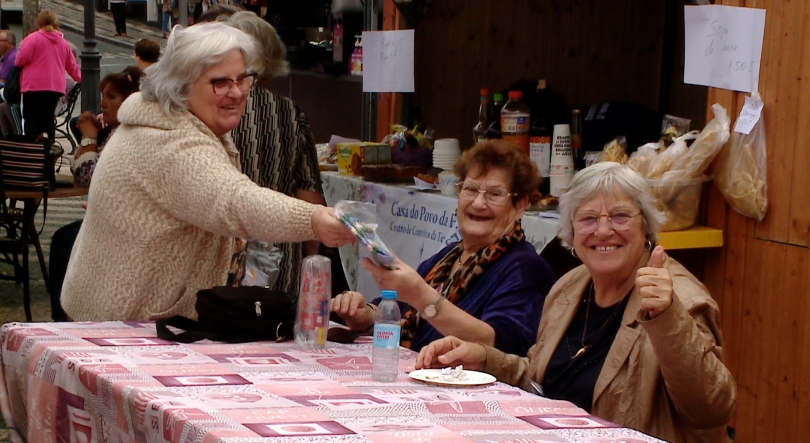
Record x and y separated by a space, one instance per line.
413 224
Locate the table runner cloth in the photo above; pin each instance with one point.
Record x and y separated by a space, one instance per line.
118 382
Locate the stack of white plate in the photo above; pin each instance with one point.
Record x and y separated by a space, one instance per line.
445 153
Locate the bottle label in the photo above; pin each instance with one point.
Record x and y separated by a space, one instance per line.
515 129
540 153
562 170
515 124
386 336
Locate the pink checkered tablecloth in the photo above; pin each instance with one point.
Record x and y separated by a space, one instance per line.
118 382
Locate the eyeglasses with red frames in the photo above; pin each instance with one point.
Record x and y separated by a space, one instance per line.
222 86
619 220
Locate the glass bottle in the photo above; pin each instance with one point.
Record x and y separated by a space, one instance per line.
494 130
576 140
480 129
540 137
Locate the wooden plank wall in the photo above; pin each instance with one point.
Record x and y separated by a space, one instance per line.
589 50
594 51
760 278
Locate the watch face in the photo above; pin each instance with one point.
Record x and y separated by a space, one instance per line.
429 311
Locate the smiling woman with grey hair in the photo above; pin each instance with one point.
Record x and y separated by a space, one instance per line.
168 207
610 176
190 52
630 336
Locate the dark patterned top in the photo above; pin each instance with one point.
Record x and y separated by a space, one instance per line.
277 151
84 166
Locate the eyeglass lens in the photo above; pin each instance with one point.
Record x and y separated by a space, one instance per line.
223 85
588 222
496 195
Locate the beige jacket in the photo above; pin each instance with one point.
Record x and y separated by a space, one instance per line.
664 377
165 203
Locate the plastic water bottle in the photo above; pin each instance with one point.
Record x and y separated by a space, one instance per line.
515 121
385 356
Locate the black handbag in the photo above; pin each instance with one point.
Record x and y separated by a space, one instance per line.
11 90
235 315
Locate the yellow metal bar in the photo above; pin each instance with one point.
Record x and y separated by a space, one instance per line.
691 238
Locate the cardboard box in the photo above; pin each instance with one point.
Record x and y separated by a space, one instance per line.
351 156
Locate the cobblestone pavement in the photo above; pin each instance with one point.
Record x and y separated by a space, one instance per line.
71 17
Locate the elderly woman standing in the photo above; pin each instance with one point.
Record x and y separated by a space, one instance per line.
275 143
44 57
168 208
631 335
487 288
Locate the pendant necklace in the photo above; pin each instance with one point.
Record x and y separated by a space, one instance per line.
585 347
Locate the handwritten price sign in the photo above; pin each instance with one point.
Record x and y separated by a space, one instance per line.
723 46
388 61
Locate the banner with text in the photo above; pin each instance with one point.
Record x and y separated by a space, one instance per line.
413 225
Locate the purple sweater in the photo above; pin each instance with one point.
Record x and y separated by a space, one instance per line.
7 62
45 57
509 297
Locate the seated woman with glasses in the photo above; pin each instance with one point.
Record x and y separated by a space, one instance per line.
168 209
630 336
488 287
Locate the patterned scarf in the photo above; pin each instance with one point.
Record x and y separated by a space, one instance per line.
454 286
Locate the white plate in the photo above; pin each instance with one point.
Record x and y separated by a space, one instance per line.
469 378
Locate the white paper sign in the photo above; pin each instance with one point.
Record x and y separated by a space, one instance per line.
388 61
749 116
723 46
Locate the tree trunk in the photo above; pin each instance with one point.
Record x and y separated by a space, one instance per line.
30 12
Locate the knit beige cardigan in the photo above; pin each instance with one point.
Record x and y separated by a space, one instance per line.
165 204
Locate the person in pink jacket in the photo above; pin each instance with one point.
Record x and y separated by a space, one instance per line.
44 57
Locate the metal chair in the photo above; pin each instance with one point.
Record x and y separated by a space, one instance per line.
62 121
14 248
24 165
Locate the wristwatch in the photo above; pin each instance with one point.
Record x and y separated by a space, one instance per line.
430 310
87 141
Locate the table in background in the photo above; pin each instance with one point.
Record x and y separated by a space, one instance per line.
116 381
415 225
411 225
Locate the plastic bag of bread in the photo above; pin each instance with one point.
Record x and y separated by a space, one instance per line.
641 159
614 151
672 127
677 174
679 200
672 158
740 172
708 143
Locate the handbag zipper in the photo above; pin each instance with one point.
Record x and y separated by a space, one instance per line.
258 309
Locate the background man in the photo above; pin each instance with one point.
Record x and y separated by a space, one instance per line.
8 50
147 53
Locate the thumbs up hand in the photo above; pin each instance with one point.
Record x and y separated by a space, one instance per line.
654 284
